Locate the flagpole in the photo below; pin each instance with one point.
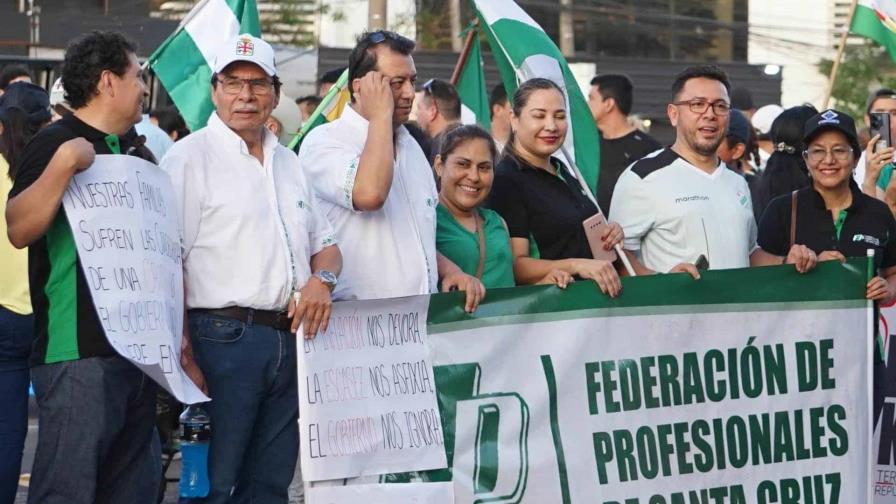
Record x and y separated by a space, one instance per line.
335 89
465 52
572 163
618 248
836 66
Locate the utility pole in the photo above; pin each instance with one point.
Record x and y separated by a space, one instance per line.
376 15
456 43
725 36
567 31
33 14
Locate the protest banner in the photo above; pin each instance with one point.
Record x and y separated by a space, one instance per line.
408 493
124 223
367 394
746 386
883 477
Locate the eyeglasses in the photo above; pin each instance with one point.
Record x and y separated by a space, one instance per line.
819 155
697 106
258 87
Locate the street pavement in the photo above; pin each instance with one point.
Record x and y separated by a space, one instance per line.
295 491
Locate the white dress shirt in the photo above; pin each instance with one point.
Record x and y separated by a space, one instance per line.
249 229
390 252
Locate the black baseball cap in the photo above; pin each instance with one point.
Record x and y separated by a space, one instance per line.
738 126
832 120
29 97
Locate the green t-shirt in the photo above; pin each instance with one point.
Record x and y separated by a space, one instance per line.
886 173
461 246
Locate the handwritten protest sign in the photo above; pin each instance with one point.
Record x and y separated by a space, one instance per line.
367 393
123 220
406 493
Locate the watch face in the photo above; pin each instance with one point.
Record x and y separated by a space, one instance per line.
326 277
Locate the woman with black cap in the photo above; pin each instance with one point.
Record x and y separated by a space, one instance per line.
785 170
24 109
832 217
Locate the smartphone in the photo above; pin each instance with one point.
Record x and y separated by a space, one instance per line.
702 263
595 226
880 125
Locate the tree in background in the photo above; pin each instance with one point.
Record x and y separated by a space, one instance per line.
865 67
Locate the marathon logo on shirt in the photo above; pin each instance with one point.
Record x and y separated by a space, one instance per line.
696 197
866 239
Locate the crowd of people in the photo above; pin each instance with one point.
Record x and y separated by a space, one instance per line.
374 205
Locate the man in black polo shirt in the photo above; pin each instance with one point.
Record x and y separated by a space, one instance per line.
97 410
834 218
610 101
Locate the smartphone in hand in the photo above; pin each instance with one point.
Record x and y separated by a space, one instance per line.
595 226
880 125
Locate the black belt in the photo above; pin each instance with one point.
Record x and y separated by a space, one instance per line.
276 319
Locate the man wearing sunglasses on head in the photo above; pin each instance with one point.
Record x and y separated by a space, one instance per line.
259 259
376 185
438 111
681 204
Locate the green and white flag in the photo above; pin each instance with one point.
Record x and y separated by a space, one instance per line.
184 61
876 19
524 51
472 90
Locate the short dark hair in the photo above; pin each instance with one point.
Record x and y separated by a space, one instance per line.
331 76
13 71
362 59
87 57
618 87
446 97
694 72
170 120
313 99
876 95
498 96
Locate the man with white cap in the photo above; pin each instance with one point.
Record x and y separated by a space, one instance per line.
259 259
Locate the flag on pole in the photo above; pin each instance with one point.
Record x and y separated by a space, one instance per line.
330 109
876 19
472 90
184 61
524 51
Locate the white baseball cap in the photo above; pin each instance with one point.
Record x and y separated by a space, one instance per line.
247 48
57 97
764 117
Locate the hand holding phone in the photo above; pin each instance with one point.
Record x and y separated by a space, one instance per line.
595 228
880 125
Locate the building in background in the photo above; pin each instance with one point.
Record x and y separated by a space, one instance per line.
797 43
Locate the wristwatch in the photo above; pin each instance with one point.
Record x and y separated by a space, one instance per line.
327 278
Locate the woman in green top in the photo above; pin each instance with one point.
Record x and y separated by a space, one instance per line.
474 238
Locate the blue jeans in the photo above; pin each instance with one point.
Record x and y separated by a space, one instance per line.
15 345
95 434
251 374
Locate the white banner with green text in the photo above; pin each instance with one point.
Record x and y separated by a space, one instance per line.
747 386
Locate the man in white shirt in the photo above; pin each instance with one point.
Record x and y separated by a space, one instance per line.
259 258
376 184
680 203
